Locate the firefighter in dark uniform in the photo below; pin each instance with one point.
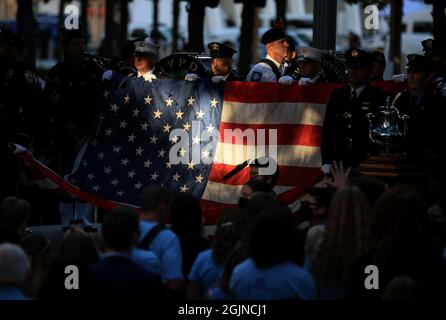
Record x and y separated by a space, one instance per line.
345 134
221 62
427 112
73 91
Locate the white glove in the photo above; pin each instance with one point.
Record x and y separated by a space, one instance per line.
218 79
304 81
286 80
326 169
150 77
191 77
399 77
107 75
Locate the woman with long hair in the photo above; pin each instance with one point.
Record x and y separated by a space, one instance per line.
346 238
402 245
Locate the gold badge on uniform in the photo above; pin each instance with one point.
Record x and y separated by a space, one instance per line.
365 106
355 53
347 115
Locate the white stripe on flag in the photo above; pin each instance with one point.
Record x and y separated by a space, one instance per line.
287 155
274 113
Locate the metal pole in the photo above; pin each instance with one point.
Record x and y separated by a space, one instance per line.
324 24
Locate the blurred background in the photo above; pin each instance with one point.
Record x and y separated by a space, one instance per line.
178 25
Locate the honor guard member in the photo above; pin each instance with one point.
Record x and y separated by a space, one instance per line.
146 54
273 66
292 70
345 133
124 67
424 136
22 117
426 111
73 90
378 66
437 53
310 68
221 62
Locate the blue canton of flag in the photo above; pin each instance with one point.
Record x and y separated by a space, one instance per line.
130 149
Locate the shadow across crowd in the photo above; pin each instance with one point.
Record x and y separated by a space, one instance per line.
260 249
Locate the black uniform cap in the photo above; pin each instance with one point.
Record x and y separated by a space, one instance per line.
430 46
378 56
418 62
272 35
220 50
356 58
128 48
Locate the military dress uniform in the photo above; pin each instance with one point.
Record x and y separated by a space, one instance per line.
426 113
424 140
345 134
424 137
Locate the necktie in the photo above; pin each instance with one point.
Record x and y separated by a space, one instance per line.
354 96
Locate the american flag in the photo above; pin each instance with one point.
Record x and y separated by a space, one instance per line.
141 126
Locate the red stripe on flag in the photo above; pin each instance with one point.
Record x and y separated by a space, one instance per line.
287 134
211 210
255 92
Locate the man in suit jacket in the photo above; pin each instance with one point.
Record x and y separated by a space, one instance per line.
345 134
116 276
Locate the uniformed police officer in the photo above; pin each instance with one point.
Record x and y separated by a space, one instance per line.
424 137
273 66
146 54
378 66
437 53
310 68
425 109
346 130
123 67
221 62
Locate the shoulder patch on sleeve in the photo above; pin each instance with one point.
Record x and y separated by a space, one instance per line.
256 76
